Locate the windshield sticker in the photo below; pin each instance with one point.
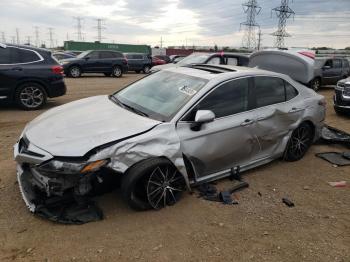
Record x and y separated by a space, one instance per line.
187 90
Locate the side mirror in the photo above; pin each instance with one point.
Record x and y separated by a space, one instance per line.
202 117
326 67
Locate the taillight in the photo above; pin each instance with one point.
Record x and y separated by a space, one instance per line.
57 70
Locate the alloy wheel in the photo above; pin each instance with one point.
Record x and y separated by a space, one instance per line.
300 141
117 72
32 97
164 186
75 72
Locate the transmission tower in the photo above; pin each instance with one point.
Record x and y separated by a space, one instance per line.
100 27
51 33
79 27
3 38
252 9
283 12
37 40
29 38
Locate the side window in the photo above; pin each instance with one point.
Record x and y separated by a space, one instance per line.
105 55
137 56
346 63
227 99
291 92
129 56
269 91
232 61
27 56
337 63
214 61
118 55
94 55
329 63
6 55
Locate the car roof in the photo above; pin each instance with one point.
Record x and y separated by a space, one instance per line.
27 47
211 72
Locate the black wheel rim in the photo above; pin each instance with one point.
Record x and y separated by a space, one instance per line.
164 187
31 97
117 71
75 72
300 141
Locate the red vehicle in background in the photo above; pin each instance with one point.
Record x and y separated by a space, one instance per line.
156 61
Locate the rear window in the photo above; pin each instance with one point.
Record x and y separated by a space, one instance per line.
269 91
291 92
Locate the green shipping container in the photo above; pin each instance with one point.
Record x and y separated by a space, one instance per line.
124 48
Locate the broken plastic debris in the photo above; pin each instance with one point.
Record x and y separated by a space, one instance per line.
287 202
338 184
335 158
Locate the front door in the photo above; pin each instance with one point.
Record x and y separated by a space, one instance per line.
229 140
92 62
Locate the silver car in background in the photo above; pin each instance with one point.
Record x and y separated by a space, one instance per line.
167 132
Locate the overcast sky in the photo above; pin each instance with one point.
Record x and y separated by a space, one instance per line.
195 22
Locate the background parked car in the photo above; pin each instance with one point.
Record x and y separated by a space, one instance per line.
176 58
342 97
328 71
110 63
209 58
164 58
62 55
139 62
156 61
28 76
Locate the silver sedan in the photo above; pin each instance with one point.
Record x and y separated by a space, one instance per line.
167 132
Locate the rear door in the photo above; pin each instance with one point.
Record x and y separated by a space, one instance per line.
226 142
331 71
14 65
277 113
107 59
131 62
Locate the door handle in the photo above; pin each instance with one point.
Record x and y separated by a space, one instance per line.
17 69
247 122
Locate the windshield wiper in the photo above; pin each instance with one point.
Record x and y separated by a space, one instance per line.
117 101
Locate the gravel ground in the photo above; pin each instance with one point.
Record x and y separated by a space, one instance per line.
260 228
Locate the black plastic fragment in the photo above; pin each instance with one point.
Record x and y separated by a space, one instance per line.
331 135
287 202
336 158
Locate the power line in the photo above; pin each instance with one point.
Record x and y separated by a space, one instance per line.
283 12
79 27
252 9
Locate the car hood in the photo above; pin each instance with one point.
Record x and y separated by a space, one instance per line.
75 128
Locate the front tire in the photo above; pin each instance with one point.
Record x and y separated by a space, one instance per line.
154 183
146 69
117 71
30 96
299 143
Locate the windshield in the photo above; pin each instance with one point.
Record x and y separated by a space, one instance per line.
194 59
160 95
83 54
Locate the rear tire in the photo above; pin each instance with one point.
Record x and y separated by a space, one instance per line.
146 69
117 71
315 84
74 71
153 183
299 143
30 96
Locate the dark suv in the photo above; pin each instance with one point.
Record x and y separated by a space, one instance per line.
28 76
139 62
110 63
342 97
328 71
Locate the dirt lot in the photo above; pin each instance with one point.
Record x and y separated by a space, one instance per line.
260 228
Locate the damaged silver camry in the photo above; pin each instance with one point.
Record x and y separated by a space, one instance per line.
166 133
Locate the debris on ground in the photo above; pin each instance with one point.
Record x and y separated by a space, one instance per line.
336 158
331 135
288 202
338 184
209 192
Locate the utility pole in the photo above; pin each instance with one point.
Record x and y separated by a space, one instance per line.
100 28
3 38
283 12
252 9
79 28
37 40
259 39
13 40
28 40
17 36
51 37
161 42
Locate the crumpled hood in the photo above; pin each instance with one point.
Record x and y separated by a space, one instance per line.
77 127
